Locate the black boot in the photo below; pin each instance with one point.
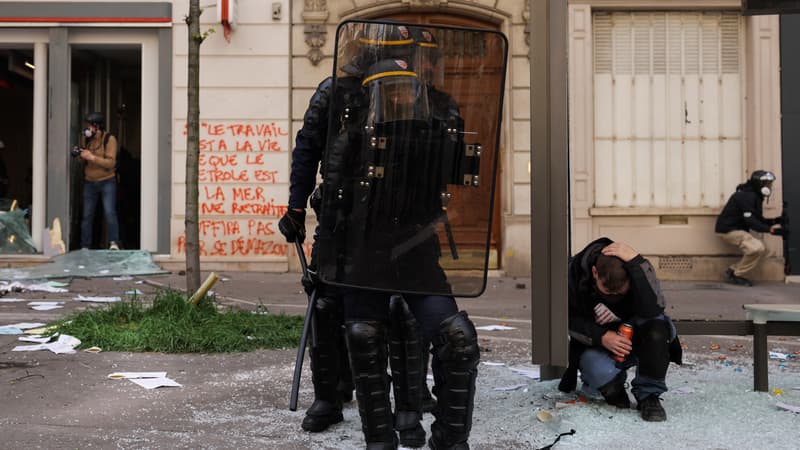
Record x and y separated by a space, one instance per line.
456 347
614 392
327 407
366 343
405 356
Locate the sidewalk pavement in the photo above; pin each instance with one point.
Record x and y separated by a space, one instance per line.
240 400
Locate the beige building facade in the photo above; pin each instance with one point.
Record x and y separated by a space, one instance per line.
669 110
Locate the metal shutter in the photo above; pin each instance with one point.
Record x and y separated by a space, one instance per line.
667 108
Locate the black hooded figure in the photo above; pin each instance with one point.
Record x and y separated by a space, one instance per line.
742 214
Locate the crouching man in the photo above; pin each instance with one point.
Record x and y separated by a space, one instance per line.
610 284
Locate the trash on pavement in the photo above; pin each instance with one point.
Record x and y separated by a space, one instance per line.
788 407
45 306
64 345
147 380
93 350
10 330
495 328
776 355
81 298
17 286
491 363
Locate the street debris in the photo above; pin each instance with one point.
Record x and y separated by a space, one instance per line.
88 264
18 286
82 298
495 328
491 363
65 344
147 380
788 407
45 306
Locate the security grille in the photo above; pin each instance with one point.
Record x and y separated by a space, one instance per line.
667 108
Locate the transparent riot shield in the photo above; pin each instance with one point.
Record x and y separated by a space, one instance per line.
410 164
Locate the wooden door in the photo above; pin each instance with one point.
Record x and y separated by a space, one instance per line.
470 229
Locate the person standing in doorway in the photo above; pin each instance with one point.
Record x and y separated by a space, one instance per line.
99 153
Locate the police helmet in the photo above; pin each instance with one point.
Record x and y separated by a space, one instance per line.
427 56
373 42
394 92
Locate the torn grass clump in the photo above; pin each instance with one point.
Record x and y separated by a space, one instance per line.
173 325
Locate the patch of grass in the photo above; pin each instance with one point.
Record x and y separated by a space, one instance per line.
172 325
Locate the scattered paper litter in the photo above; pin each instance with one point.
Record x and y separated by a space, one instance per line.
10 330
36 339
104 271
93 350
64 345
123 278
509 388
45 306
495 328
25 325
12 300
147 380
531 372
152 383
492 363
133 292
42 330
81 298
131 375
776 355
788 407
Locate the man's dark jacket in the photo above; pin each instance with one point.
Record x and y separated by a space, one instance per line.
644 300
743 211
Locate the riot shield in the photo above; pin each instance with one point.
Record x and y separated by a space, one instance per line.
410 163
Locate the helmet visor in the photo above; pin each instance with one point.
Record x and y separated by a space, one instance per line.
396 98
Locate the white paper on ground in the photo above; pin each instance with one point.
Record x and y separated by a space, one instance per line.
12 300
81 298
788 407
18 285
123 278
130 375
36 339
133 292
46 307
152 383
495 328
25 325
776 355
531 372
44 303
492 363
64 345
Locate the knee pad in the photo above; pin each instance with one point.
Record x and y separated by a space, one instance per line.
457 342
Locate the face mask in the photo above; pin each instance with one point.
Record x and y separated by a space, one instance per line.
765 191
88 132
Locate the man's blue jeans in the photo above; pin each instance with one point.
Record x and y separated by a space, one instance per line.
107 191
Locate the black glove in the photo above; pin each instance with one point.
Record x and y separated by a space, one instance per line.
293 225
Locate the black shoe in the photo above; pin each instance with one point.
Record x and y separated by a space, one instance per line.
733 279
320 416
413 438
651 409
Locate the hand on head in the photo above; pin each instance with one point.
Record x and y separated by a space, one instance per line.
621 250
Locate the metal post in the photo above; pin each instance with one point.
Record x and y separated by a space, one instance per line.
760 374
549 184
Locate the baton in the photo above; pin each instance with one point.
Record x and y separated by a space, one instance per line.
307 324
